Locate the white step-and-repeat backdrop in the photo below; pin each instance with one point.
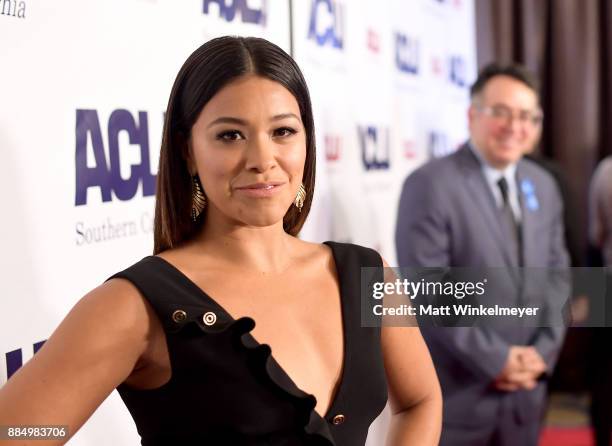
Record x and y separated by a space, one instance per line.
83 88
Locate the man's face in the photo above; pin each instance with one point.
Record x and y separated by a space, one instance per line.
505 121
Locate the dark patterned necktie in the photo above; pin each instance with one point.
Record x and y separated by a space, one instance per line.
511 227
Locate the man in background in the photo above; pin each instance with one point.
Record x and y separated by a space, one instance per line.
600 236
484 206
600 207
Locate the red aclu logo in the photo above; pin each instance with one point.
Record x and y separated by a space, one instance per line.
373 41
437 66
333 147
408 148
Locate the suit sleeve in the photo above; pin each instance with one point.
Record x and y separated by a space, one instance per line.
422 235
548 340
596 218
423 239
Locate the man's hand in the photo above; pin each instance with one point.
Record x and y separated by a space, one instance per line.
532 361
523 367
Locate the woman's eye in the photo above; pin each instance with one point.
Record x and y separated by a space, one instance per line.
230 135
284 131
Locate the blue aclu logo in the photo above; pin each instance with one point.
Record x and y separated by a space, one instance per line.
327 23
14 359
406 53
438 144
97 172
228 9
457 71
374 143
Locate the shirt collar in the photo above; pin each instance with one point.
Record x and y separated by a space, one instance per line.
492 174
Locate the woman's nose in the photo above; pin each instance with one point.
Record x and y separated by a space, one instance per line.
260 154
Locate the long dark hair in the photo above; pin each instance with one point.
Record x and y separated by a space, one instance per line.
204 73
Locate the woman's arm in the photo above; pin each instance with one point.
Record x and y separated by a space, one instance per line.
93 350
414 391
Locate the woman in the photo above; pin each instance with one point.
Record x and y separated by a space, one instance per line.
235 183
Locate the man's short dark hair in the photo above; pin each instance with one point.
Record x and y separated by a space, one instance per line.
515 71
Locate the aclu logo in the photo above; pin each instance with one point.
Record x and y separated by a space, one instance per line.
436 66
96 172
457 71
333 147
14 359
228 9
12 8
407 53
374 143
455 3
409 149
373 41
438 144
326 26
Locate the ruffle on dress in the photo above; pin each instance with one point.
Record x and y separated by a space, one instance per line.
260 356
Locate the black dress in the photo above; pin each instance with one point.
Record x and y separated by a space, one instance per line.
227 389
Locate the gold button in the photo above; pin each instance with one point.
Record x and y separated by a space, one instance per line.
179 316
338 419
209 318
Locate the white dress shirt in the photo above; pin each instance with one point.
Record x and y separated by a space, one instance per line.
493 175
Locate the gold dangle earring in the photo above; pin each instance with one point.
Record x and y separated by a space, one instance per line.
300 197
198 199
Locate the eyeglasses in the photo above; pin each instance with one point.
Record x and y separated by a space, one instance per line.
506 115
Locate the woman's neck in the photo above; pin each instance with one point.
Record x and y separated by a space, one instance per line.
266 249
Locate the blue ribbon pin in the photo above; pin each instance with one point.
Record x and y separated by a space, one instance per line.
528 190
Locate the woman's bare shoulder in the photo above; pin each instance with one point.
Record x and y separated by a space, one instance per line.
113 313
312 251
120 300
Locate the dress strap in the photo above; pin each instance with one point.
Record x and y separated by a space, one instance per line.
350 259
358 268
175 299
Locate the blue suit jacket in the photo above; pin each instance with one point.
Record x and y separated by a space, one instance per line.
448 217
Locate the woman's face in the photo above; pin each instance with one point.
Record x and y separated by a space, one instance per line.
249 147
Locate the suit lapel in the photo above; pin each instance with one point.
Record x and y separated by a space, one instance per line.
527 213
481 193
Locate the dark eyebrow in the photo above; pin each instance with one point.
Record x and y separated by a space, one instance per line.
227 120
284 116
238 121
